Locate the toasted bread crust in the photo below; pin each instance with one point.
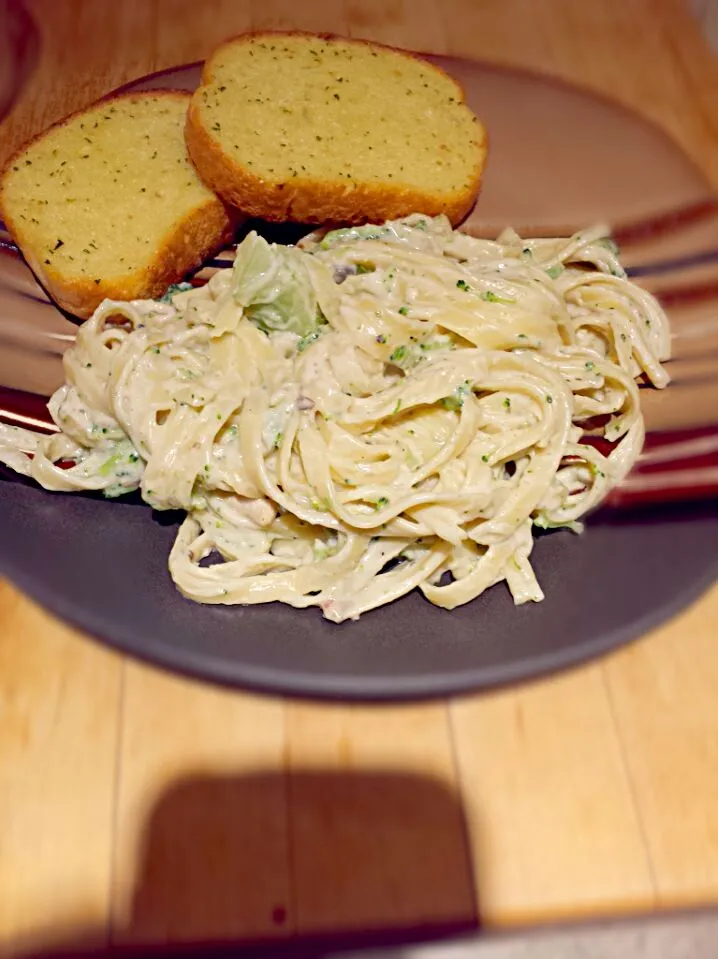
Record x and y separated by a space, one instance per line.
198 234
305 199
204 231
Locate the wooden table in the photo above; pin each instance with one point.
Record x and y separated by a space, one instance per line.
135 805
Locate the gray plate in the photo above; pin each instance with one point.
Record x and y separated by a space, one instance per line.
103 567
560 159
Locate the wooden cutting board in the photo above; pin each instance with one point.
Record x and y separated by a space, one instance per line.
135 805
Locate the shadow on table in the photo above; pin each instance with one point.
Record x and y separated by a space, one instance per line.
235 865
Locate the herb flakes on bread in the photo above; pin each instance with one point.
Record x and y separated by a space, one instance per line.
106 204
313 129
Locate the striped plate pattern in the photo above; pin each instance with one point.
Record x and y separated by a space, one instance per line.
561 159
680 460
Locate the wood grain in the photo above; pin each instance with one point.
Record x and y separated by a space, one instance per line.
319 16
554 829
415 24
59 723
590 793
664 694
201 841
211 24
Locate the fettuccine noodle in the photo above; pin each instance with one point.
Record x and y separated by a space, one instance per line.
387 408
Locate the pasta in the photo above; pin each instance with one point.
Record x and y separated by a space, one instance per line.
380 409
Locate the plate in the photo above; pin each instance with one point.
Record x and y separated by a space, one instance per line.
103 567
560 159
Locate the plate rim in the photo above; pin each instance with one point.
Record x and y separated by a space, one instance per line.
196 663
